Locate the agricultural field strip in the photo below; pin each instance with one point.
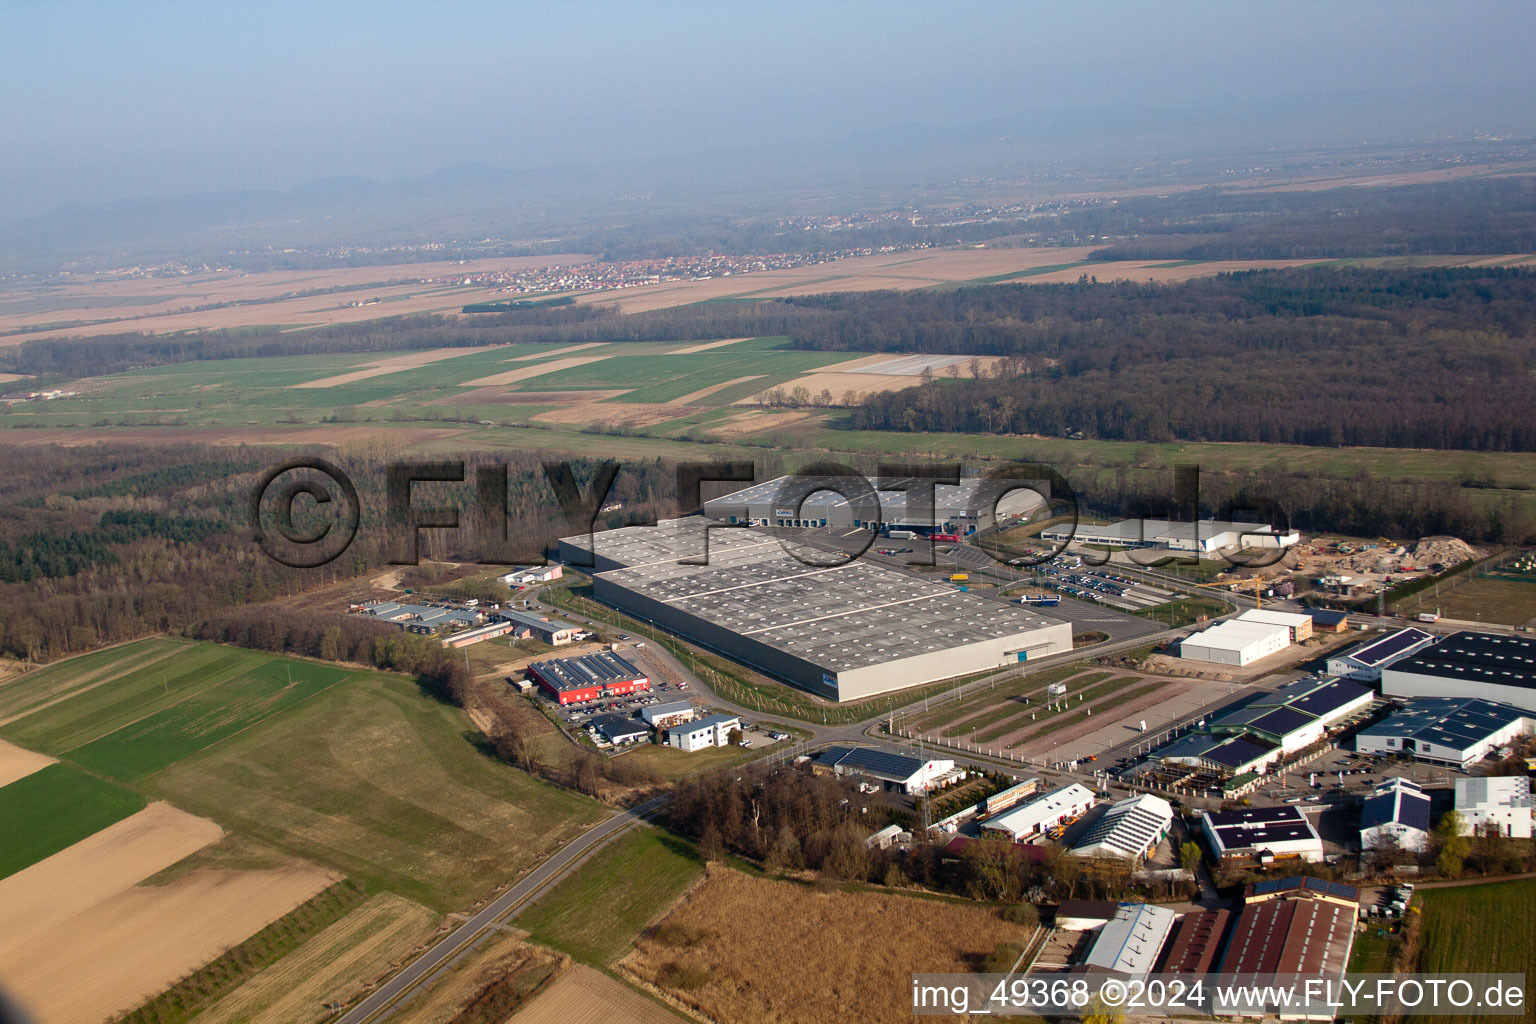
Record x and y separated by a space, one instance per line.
1007 719
31 693
142 693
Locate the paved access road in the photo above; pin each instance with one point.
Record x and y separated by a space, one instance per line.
542 877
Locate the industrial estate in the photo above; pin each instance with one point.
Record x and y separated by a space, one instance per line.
800 543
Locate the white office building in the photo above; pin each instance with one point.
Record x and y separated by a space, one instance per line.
1499 805
711 731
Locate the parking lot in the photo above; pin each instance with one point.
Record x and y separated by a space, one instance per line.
1106 587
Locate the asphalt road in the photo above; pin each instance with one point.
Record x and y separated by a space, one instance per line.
378 1005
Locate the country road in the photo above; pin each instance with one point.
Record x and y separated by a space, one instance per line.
382 1003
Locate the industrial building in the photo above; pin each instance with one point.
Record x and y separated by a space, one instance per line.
1042 813
1300 625
528 575
588 677
1129 830
1195 943
479 633
1306 936
1365 663
1236 642
843 632
1207 536
667 714
550 631
1297 715
421 618
1395 814
1225 756
897 772
1129 942
1492 666
1327 620
974 504
709 731
620 730
1302 886
1262 835
1453 731
1498 805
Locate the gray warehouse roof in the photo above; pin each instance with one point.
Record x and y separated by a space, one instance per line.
1456 722
839 617
971 494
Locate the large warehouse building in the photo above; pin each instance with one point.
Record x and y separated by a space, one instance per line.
1488 665
884 504
843 632
1236 642
1207 536
1445 730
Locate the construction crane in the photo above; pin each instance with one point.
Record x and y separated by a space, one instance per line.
1258 587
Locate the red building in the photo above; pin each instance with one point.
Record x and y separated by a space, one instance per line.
588 677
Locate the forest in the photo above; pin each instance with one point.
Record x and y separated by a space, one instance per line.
1435 358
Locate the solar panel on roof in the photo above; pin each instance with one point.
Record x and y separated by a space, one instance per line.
1282 720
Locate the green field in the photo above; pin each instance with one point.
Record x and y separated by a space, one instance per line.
98 710
53 808
353 769
596 913
206 717
1483 928
33 690
372 777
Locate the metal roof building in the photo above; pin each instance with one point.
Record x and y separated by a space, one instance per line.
1301 885
1397 811
1225 755
1445 730
1365 662
1236 642
1130 829
976 503
1206 536
1301 936
588 677
1262 834
1195 942
1489 665
843 631
908 774
1130 942
1296 715
1041 813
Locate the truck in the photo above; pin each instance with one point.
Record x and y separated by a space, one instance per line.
946 536
1429 616
901 535
1043 600
960 577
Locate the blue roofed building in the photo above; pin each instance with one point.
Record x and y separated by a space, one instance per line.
1395 814
1366 662
1493 666
1453 731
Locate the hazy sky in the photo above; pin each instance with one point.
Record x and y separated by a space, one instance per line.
118 99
